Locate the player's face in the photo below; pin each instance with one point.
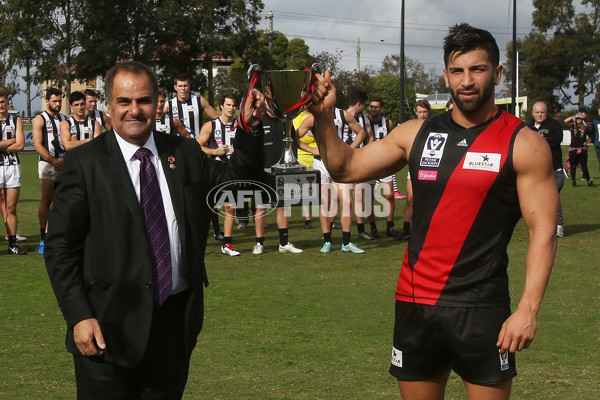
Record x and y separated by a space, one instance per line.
54 103
539 113
160 104
90 103
3 105
78 108
375 109
183 90
228 107
471 79
422 113
132 107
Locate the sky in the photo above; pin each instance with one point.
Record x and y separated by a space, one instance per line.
337 25
327 25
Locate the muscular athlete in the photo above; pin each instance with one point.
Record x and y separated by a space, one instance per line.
504 171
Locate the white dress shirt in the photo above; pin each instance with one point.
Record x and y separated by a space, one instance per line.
133 167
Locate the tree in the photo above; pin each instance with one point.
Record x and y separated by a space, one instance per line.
64 22
293 54
344 81
329 61
387 86
101 48
24 30
559 56
192 32
416 76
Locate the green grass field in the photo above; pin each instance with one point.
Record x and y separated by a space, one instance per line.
312 326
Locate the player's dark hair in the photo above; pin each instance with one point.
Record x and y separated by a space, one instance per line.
463 38
378 100
181 78
357 96
52 91
423 103
227 95
90 92
133 67
76 96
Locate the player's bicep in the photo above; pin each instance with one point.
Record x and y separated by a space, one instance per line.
538 194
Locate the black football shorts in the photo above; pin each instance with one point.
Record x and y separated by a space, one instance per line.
429 340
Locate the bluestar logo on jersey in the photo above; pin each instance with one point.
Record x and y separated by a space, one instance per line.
483 161
238 192
434 150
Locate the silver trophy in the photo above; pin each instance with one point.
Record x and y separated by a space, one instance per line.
287 93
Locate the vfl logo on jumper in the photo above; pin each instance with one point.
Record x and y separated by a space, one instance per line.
504 365
396 357
434 149
483 161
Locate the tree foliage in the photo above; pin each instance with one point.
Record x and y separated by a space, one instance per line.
387 86
560 55
422 81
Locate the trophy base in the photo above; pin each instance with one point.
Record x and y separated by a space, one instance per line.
292 167
295 187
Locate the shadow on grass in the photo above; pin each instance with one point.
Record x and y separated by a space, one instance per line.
580 228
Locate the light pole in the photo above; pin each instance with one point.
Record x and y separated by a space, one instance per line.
401 116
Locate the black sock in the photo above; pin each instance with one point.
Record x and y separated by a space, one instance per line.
283 236
42 234
227 240
345 238
361 228
390 224
215 223
327 237
260 240
406 227
373 226
12 240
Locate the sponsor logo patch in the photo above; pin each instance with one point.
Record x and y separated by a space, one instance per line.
427 175
483 161
462 143
434 149
504 365
396 357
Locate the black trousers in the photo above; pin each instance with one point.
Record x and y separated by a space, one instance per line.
161 375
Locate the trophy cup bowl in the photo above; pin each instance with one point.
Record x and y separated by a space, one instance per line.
287 93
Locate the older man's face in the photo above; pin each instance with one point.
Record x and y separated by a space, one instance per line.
540 113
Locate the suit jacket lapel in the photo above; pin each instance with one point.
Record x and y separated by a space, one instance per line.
118 170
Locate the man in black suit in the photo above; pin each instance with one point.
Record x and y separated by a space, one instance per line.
126 342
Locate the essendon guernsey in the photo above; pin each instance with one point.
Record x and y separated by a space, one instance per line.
465 209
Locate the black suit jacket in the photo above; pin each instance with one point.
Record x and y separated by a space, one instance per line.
96 251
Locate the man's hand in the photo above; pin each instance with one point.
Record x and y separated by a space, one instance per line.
324 95
58 163
254 109
517 332
88 337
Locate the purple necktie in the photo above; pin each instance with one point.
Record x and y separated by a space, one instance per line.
156 226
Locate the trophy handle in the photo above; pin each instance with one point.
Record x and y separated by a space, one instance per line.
253 68
316 68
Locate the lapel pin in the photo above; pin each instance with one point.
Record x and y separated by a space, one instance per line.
171 160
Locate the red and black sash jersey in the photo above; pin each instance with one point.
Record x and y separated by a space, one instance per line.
465 209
